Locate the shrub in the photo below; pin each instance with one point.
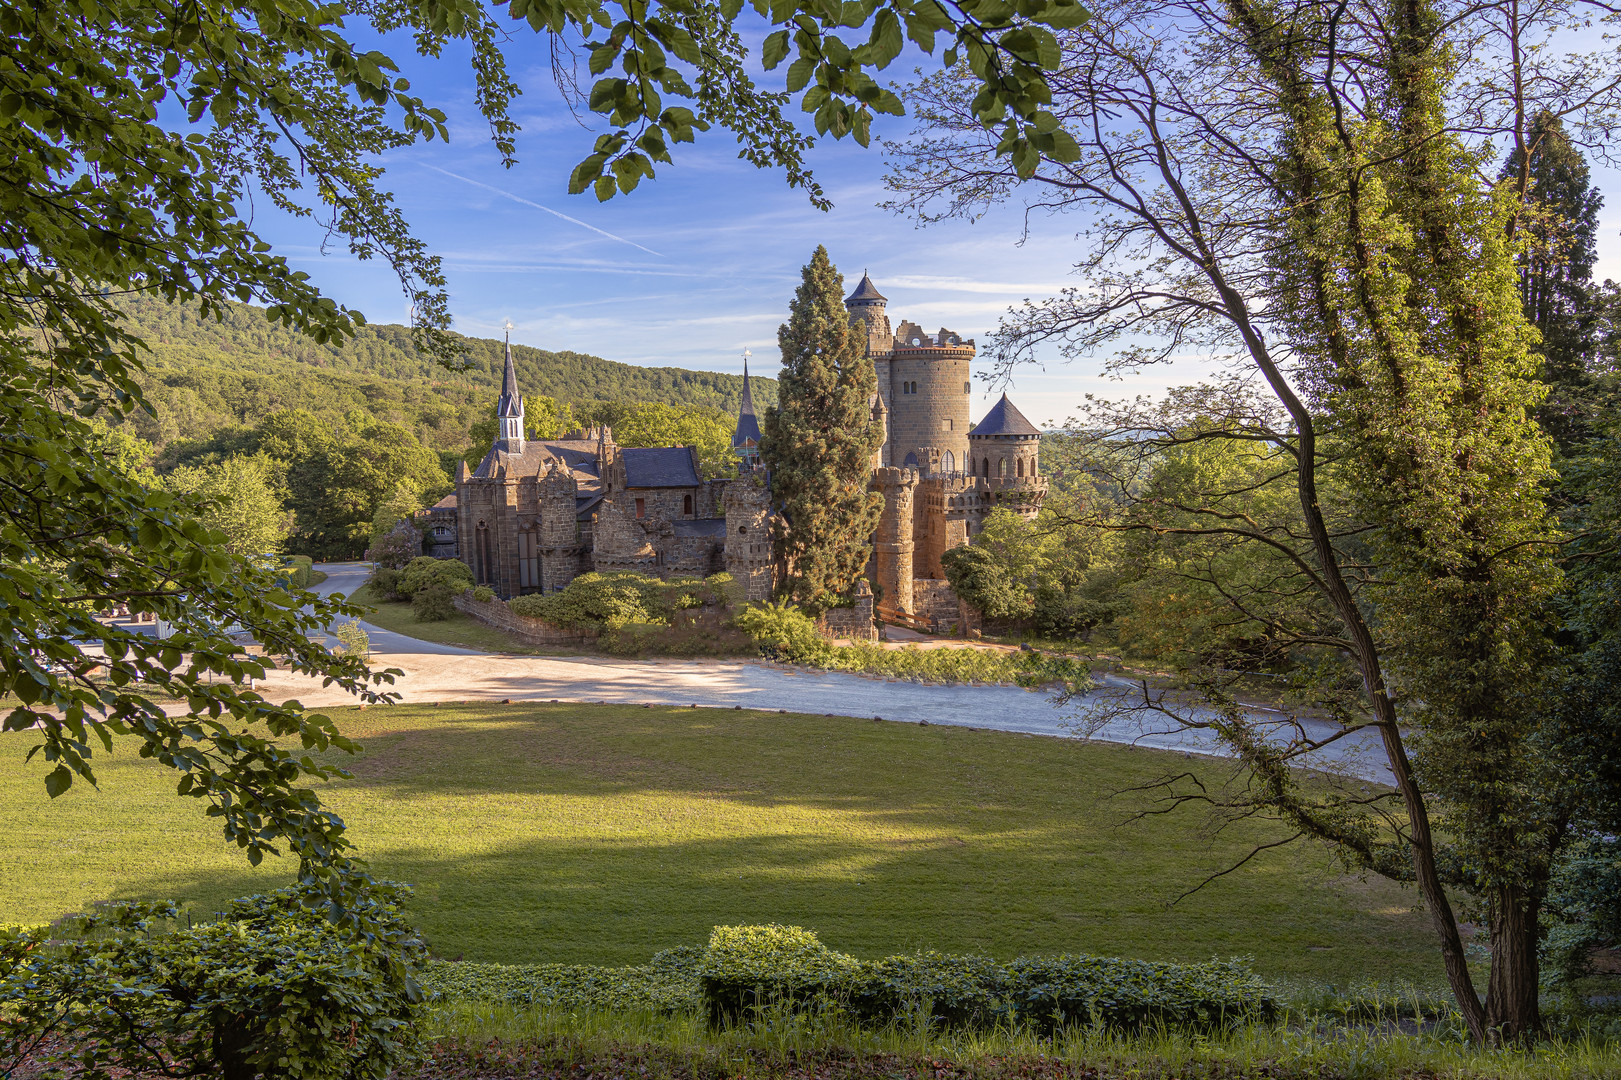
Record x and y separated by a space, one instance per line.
668 983
484 594
611 601
962 991
747 967
298 570
396 547
424 571
433 603
385 583
783 632
1052 991
273 990
353 639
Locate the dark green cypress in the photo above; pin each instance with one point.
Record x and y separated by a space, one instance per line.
819 442
1556 273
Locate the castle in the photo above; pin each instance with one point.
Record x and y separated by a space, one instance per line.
535 514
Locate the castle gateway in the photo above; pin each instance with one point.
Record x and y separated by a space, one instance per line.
535 514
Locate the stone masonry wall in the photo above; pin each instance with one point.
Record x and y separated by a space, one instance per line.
935 602
534 631
855 622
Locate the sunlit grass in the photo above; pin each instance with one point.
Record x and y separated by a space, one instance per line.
601 834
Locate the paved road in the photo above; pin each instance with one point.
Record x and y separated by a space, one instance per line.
436 672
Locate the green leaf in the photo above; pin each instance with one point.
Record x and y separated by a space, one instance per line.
774 50
58 781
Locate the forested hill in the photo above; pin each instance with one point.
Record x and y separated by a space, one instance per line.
207 375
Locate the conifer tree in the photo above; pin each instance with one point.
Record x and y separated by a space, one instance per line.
1556 270
819 441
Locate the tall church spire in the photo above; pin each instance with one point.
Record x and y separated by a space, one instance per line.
509 406
746 439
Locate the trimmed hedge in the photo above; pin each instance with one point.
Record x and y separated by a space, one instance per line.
749 968
667 983
298 570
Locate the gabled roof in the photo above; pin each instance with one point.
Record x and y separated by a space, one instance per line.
510 403
1003 419
748 425
660 467
866 291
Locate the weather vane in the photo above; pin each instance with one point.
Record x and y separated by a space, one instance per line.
508 327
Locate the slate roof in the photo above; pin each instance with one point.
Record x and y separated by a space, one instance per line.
866 291
748 425
580 455
660 467
446 503
700 527
1003 419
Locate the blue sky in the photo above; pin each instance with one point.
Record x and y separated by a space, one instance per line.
699 264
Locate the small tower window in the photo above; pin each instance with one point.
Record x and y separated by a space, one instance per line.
686 505
985 468
968 388
1020 466
949 423
1001 469
641 508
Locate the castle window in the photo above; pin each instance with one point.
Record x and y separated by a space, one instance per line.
686 505
1032 466
1020 465
481 555
1001 468
949 423
528 560
641 508
968 388
948 463
742 530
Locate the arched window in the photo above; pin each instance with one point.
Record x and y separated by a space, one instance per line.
528 560
948 463
481 555
1001 468
1032 466
911 461
1019 465
686 505
986 468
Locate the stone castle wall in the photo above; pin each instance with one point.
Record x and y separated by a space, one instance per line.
534 631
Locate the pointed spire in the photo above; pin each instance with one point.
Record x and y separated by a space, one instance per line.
866 291
746 437
509 406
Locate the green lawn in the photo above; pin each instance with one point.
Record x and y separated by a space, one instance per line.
604 833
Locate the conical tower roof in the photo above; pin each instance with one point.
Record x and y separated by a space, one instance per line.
866 291
748 425
1003 419
510 403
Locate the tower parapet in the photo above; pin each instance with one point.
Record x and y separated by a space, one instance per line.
893 544
749 555
1005 453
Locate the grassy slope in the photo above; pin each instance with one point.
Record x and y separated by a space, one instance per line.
603 833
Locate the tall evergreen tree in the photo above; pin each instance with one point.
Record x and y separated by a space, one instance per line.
1556 270
819 441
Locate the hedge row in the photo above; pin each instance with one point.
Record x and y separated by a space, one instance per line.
667 983
746 968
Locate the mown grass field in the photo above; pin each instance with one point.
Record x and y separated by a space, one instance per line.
604 833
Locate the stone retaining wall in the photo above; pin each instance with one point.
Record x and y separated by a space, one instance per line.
934 601
855 623
534 631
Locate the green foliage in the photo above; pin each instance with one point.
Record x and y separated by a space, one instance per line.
237 496
299 568
543 418
484 594
425 572
980 578
666 983
385 581
746 968
399 505
272 989
660 424
613 601
783 632
355 641
819 443
433 603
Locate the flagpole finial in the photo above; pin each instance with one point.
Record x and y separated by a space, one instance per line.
508 327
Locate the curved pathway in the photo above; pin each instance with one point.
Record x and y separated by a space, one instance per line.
434 672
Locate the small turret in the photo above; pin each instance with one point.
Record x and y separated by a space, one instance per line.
509 406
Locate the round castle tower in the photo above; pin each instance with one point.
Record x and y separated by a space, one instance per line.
924 383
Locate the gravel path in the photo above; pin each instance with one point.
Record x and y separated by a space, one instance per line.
436 672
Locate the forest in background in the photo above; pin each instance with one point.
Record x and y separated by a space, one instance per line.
206 376
320 437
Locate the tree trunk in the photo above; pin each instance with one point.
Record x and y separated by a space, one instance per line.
1512 1010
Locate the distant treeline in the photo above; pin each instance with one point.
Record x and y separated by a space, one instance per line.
206 376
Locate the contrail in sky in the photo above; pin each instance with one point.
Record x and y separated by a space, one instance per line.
537 206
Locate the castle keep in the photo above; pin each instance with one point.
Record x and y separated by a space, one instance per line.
535 514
